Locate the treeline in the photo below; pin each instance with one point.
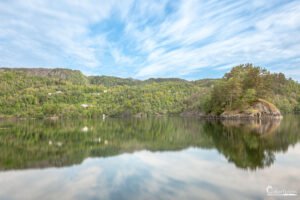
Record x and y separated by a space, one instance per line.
68 93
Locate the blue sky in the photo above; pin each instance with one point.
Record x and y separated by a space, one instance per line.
190 39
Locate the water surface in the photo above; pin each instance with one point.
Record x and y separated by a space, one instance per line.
156 158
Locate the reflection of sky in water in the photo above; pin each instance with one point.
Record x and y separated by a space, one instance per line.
188 174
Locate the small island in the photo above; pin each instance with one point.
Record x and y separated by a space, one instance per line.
246 92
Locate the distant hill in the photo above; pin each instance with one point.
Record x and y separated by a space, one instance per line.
77 77
206 82
112 81
74 76
160 80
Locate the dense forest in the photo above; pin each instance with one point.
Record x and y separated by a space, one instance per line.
43 93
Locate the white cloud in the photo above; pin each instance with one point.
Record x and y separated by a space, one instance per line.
58 30
159 38
119 56
261 38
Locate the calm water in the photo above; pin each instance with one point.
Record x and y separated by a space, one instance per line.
162 158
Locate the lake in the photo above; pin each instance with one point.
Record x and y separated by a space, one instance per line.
153 158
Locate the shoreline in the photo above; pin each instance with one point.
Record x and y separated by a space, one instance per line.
208 117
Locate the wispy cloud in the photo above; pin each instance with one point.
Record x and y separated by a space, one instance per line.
182 38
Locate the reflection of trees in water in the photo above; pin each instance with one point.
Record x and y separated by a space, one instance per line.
59 143
262 127
242 148
46 143
253 144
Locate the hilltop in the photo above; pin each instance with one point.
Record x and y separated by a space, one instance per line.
73 76
40 92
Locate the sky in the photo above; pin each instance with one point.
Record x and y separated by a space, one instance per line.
189 39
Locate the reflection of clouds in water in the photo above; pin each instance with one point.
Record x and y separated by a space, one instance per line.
63 183
82 180
188 174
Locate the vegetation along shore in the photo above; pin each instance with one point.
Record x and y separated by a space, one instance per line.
246 91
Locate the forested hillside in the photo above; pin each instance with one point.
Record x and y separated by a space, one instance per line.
30 93
68 93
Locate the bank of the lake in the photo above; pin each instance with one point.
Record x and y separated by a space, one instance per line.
64 93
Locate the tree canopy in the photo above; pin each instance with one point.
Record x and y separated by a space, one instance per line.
61 92
246 83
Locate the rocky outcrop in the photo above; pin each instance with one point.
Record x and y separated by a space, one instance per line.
261 109
74 76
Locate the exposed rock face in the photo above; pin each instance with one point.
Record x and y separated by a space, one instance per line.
265 108
74 76
261 109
